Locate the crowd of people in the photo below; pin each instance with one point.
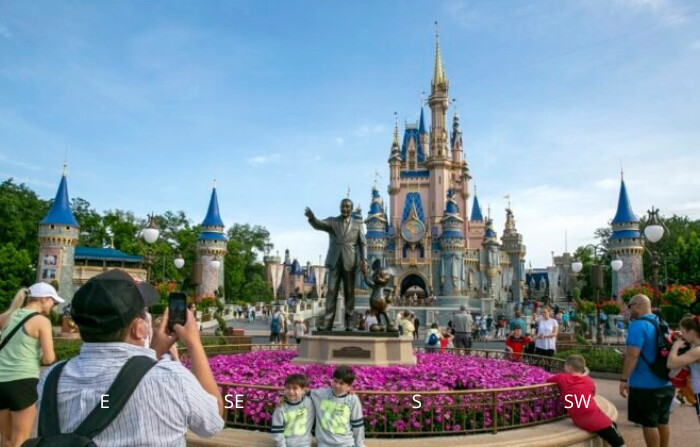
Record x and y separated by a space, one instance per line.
134 361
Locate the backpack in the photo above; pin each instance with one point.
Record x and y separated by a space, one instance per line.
275 325
663 347
124 385
433 339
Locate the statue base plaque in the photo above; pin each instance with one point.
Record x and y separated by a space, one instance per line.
348 348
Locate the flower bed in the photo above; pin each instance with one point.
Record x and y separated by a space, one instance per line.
458 393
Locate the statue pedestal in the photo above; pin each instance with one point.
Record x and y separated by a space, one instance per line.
355 348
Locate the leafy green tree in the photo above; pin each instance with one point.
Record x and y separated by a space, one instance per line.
245 243
92 230
21 210
257 290
16 271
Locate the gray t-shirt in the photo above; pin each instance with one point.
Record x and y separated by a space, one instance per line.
292 422
462 322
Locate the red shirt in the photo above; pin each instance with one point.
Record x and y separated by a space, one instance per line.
517 344
585 413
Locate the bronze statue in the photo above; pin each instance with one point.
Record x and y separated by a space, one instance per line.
345 238
377 302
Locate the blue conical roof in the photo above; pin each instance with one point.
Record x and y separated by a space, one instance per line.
421 126
213 218
476 211
624 209
60 213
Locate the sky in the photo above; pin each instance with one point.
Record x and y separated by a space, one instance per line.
289 104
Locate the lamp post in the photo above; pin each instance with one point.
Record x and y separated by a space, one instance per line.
597 281
179 262
150 235
653 232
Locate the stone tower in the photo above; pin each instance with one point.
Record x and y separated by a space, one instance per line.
452 248
211 246
58 236
512 245
626 244
376 224
491 266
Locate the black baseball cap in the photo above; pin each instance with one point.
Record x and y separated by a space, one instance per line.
110 301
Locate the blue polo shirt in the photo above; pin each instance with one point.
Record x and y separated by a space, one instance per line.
642 335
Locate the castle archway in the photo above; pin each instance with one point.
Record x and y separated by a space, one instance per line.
413 283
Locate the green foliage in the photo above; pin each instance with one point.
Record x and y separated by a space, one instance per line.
221 321
241 265
158 308
66 349
257 290
21 210
643 288
682 296
576 293
581 324
585 307
610 307
16 271
597 358
205 303
55 318
672 314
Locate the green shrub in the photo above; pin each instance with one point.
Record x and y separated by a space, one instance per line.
66 349
672 314
597 359
158 308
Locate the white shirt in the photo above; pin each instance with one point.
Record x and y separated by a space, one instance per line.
167 401
369 321
546 327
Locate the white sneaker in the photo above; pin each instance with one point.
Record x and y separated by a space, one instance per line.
675 403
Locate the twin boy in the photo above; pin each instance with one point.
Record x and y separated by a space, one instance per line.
338 414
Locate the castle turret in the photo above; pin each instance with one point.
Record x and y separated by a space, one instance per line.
58 236
377 226
452 246
395 162
476 225
211 249
512 245
273 272
626 243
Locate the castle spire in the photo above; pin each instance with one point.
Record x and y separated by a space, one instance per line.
439 72
396 131
624 208
421 126
476 209
60 212
213 219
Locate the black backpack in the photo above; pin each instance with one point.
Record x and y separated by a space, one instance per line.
49 431
663 347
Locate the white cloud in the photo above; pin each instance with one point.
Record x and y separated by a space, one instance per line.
21 164
339 141
263 159
608 183
369 129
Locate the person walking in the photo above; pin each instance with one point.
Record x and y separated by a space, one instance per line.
27 343
462 326
547 329
416 324
649 396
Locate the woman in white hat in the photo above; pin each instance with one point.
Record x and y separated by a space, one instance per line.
26 344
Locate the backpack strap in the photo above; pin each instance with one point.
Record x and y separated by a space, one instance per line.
119 393
16 328
48 414
656 334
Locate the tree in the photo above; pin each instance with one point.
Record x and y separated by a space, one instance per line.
16 271
241 266
92 230
21 210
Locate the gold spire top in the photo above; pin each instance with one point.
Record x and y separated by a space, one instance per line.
439 73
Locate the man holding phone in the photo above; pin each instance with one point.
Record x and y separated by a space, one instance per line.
111 313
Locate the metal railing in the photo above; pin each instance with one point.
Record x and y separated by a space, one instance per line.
398 414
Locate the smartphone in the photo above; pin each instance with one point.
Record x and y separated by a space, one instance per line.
177 309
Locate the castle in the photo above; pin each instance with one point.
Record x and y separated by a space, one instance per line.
67 266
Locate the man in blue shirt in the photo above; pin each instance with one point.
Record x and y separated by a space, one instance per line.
649 396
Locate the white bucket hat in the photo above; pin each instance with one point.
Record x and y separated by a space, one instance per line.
42 289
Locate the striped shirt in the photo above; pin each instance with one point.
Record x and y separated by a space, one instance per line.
167 401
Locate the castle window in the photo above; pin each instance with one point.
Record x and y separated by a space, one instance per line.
51 226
